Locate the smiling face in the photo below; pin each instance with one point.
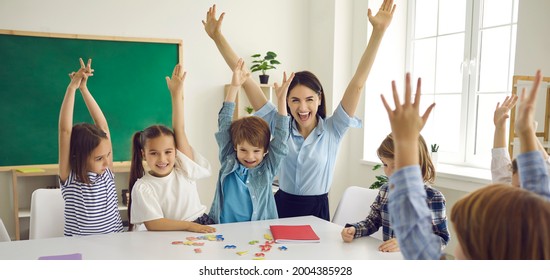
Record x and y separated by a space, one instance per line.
160 155
100 157
303 103
248 155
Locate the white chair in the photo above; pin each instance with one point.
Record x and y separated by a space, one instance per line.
355 206
47 218
4 236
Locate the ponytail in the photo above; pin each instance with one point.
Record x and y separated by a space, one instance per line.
136 171
136 167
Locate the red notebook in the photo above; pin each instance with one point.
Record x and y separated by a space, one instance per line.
293 233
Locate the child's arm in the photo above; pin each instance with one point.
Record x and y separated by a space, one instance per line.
212 26
281 92
225 116
278 147
370 224
175 86
164 224
240 75
66 122
500 159
94 109
410 216
531 166
500 116
525 117
380 23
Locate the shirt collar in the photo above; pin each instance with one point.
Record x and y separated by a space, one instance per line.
319 129
242 172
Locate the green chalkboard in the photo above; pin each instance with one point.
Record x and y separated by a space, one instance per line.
128 84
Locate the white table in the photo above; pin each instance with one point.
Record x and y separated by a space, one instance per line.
158 245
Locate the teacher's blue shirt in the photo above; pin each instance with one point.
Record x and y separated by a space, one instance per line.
309 166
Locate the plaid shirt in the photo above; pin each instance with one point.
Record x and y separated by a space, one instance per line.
379 216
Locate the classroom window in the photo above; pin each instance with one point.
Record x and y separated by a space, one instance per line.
464 52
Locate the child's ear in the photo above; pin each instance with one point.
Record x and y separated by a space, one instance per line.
266 153
142 154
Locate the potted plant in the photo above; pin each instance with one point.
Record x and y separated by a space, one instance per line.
264 64
249 110
380 179
434 154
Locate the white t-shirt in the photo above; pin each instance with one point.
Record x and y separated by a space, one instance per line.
174 196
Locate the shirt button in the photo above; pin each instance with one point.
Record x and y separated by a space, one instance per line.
247 181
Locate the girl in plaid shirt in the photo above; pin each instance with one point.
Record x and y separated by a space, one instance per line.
379 215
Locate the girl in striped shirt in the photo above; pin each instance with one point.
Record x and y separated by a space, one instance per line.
85 162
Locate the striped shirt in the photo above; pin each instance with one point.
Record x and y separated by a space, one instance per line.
91 209
379 216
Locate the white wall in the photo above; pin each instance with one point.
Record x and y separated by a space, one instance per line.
533 42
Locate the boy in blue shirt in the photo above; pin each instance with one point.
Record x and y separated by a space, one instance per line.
249 162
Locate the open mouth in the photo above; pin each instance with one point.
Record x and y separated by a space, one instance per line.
162 166
304 116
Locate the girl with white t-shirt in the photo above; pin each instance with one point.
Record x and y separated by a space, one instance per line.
166 197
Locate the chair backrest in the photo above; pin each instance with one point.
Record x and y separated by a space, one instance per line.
47 217
355 206
4 236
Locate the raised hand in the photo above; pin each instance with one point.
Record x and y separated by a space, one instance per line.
79 78
527 106
281 92
88 72
240 74
383 18
406 123
213 26
502 111
175 84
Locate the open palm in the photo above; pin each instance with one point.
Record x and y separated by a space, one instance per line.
383 18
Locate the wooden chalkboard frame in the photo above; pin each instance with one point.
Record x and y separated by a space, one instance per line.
24 145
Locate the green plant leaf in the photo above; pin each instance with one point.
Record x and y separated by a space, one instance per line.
271 54
256 55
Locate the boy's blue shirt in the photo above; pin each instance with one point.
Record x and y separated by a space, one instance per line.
259 178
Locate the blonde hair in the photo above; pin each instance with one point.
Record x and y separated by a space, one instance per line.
387 150
499 222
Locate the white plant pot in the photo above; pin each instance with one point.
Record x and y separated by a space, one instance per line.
434 156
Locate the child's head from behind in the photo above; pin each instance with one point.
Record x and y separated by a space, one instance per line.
250 137
501 222
157 146
90 151
386 153
306 99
